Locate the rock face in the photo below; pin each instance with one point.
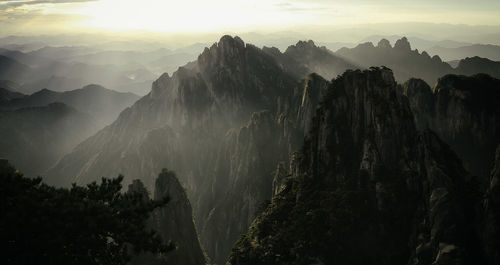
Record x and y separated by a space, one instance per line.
491 228
174 222
367 188
464 112
406 63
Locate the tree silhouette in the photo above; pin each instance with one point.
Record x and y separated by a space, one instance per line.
93 224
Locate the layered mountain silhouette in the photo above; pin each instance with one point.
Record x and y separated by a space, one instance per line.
405 62
34 138
7 95
13 70
101 103
478 65
491 52
305 57
37 70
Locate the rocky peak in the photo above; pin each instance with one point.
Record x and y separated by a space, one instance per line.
175 221
437 59
384 43
366 45
226 51
302 45
403 44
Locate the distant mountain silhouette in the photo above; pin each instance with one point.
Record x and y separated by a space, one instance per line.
13 70
478 65
405 62
305 57
101 103
9 85
416 42
34 138
33 71
491 52
6 95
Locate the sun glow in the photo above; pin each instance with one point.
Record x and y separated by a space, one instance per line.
180 16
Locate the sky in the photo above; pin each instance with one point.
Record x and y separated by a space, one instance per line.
205 16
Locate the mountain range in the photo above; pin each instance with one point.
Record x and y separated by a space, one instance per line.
102 104
34 138
305 156
51 124
230 122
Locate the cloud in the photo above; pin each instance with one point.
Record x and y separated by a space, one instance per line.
5 4
297 6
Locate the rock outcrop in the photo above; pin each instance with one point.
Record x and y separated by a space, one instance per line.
464 112
491 227
367 188
173 222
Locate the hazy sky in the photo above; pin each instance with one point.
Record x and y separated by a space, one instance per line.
18 16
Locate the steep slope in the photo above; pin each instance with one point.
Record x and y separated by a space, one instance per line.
101 103
465 113
33 139
176 221
366 188
491 228
405 62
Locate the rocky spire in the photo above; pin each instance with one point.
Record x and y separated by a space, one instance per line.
175 221
402 44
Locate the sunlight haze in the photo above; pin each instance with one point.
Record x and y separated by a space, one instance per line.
198 16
